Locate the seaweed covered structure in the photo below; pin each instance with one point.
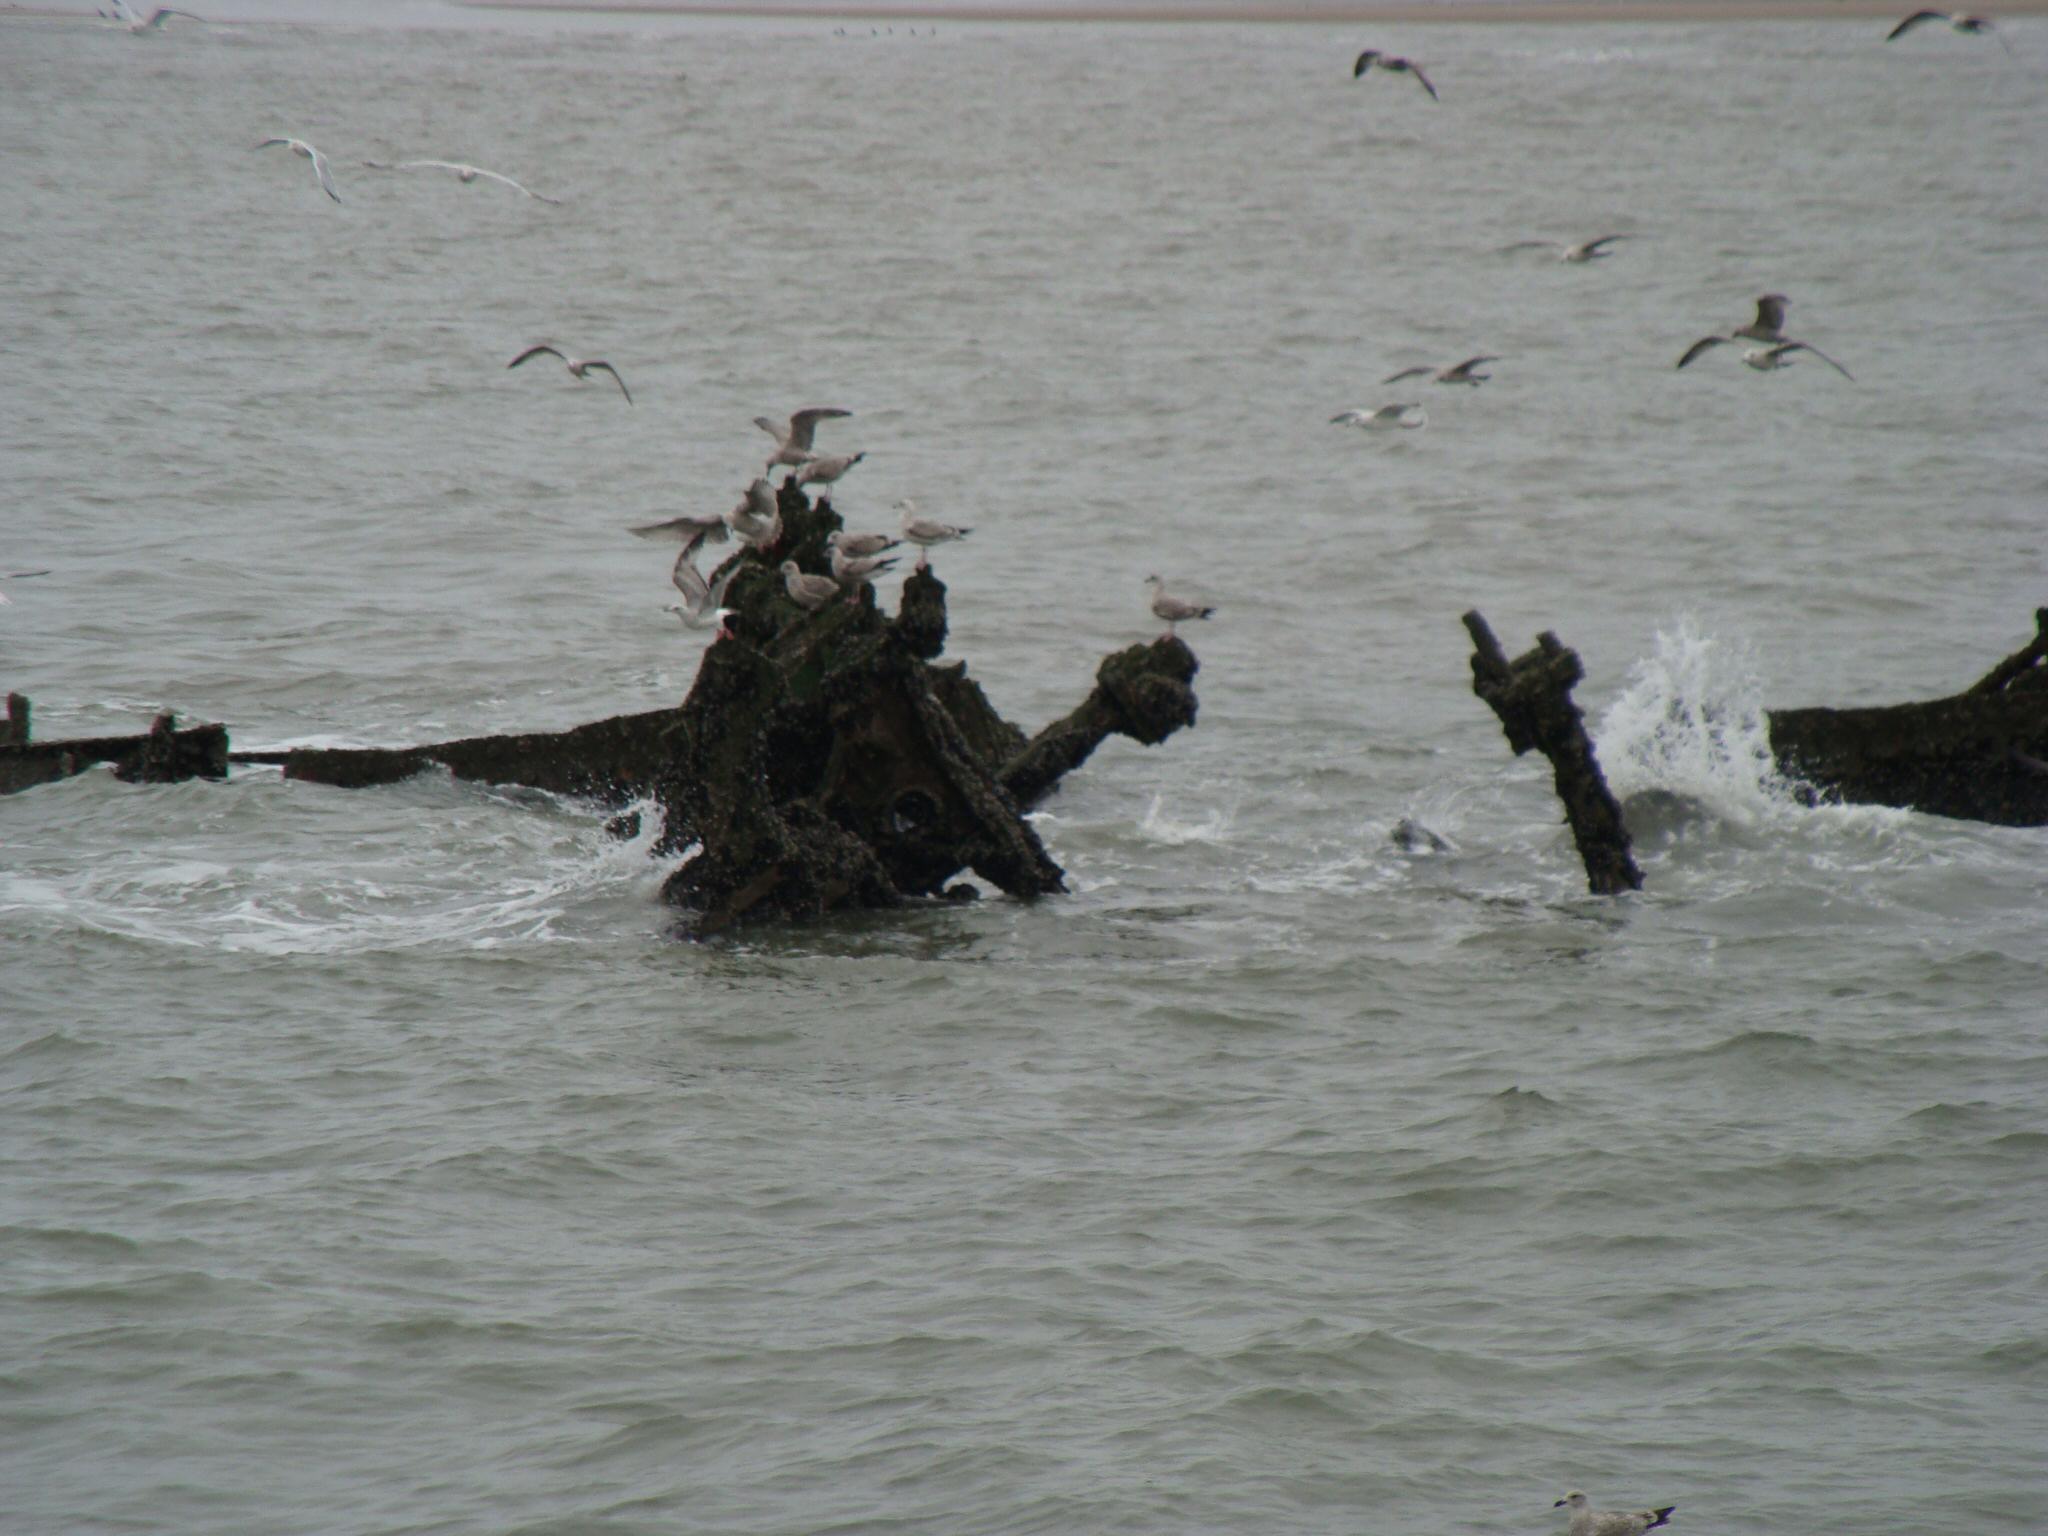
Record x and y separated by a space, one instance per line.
824 758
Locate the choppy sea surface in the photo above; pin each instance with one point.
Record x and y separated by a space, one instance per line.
380 1162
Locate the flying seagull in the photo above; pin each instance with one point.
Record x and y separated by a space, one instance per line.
926 532
812 592
1957 20
17 576
126 16
1373 56
1584 251
686 528
301 147
1768 327
757 519
1407 414
702 600
1457 373
463 173
579 367
827 471
1170 608
793 442
1588 1521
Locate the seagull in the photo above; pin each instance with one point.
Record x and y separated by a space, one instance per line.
577 366
1584 251
1373 56
301 147
926 532
827 471
1588 1521
686 528
757 519
1769 328
1170 608
463 173
1385 419
126 16
793 443
810 592
858 544
1958 20
17 576
1457 373
702 600
854 572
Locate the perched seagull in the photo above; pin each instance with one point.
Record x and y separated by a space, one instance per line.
301 147
757 519
925 532
1385 419
811 592
858 544
1769 328
793 443
579 367
1584 251
827 471
854 572
1170 608
1373 56
1957 20
1588 1521
463 173
1457 373
691 530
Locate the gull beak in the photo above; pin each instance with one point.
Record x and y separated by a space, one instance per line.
1558 1505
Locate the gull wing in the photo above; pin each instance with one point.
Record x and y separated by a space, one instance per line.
535 352
1807 346
1913 21
320 170
1423 80
608 368
165 13
1365 62
804 424
1705 343
1407 373
1593 247
689 580
1770 310
1464 369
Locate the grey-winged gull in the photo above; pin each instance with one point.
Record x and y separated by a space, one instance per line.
579 367
301 147
793 442
926 532
1457 373
809 591
1406 414
463 173
1173 609
1588 1521
1388 62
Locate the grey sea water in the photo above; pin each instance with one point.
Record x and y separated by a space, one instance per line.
378 1162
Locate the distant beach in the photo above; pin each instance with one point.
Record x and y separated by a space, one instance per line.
1451 11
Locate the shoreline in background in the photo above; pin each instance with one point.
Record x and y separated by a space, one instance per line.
1337 11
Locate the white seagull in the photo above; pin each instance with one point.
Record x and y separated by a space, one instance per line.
1387 418
301 147
857 544
463 173
854 572
127 16
579 367
1373 56
827 471
702 601
1170 608
1584 251
1457 373
1588 1521
793 442
812 592
927 532
1768 327
757 519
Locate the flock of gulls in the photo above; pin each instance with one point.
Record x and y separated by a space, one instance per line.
855 559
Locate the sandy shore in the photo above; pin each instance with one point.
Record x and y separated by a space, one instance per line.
1450 11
